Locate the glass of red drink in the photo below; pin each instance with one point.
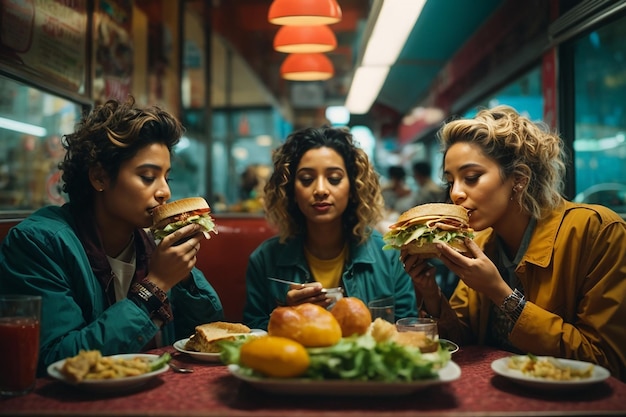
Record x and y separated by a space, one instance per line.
20 316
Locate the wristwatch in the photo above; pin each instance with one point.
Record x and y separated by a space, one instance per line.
513 305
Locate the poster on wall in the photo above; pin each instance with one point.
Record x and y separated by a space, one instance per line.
47 38
113 50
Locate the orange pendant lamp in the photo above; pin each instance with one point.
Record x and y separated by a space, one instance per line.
304 12
307 67
305 39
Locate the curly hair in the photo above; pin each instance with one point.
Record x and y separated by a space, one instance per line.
106 137
365 203
522 149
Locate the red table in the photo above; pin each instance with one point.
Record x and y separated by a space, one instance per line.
212 391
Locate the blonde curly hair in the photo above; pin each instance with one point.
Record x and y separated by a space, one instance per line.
365 203
527 151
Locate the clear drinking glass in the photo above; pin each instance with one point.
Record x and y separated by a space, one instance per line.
427 333
20 317
385 308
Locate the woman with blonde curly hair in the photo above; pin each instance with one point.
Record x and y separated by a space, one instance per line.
544 275
324 198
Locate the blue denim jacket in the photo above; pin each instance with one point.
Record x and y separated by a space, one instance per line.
370 273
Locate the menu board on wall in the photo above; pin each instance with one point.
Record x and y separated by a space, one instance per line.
46 37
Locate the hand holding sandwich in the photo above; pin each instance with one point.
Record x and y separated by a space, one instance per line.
179 225
171 261
442 230
476 270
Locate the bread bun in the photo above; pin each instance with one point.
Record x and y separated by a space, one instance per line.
165 211
429 249
352 315
439 209
309 324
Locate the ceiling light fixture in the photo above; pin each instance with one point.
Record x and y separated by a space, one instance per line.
304 12
307 67
388 28
366 84
305 39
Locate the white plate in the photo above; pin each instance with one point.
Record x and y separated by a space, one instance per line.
599 374
207 357
109 385
448 373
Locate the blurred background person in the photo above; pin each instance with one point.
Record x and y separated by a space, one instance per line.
428 191
396 193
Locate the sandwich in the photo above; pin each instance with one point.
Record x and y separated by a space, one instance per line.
206 337
419 229
169 217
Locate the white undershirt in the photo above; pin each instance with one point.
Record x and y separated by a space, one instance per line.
123 267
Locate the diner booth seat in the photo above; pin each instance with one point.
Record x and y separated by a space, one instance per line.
5 225
223 259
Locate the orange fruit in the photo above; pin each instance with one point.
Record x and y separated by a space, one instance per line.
275 356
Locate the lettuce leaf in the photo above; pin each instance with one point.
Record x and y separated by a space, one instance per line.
360 358
204 220
422 234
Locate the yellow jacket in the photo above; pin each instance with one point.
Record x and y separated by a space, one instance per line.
574 280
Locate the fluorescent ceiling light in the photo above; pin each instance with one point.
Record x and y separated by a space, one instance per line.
22 127
393 24
395 21
264 140
337 115
366 84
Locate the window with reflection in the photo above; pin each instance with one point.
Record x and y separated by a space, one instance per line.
600 116
32 124
524 94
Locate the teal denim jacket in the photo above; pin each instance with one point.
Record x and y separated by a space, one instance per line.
42 255
370 273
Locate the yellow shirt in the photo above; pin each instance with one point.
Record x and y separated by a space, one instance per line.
327 271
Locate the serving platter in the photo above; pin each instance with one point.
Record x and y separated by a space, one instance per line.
179 345
109 385
598 374
301 386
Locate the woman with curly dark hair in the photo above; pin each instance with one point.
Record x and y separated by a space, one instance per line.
324 198
104 284
544 275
